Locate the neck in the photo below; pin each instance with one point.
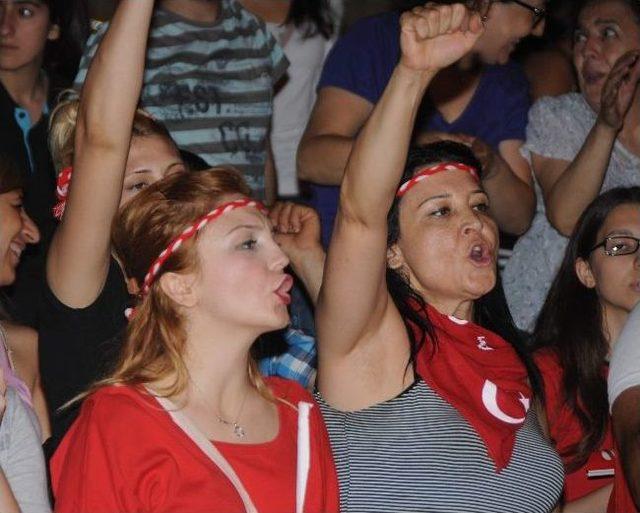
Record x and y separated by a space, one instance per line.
203 11
271 11
217 358
459 309
613 322
25 85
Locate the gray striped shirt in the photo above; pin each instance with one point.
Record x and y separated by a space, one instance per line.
211 85
417 453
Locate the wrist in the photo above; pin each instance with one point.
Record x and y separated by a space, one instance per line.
605 129
412 76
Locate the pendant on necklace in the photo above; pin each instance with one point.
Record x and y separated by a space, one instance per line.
238 430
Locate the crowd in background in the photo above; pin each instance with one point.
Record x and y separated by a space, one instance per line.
320 255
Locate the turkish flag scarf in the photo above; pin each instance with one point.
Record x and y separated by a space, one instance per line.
481 375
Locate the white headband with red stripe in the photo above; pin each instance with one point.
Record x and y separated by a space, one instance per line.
62 192
432 170
189 232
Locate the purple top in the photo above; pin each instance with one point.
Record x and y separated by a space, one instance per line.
9 374
362 62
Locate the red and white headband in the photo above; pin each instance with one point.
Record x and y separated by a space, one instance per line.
189 232
62 192
432 170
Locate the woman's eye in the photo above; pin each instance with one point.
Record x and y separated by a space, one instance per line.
138 186
440 212
482 207
25 12
249 244
609 33
579 37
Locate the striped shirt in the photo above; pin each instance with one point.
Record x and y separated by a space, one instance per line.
417 453
211 84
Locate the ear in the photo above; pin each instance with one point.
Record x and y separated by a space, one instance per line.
180 288
395 258
54 32
584 273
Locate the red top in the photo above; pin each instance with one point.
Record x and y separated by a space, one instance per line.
566 431
124 453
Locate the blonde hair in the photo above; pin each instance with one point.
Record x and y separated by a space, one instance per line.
62 128
155 338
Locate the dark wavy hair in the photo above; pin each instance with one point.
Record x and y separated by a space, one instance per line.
62 56
634 5
316 15
571 324
490 311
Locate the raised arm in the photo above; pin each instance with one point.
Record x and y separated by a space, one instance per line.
569 188
78 260
354 299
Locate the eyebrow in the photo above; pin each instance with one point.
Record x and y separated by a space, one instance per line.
447 195
245 227
620 233
606 21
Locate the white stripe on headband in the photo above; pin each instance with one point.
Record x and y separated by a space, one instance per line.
432 170
190 232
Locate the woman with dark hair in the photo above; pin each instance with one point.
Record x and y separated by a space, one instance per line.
424 384
22 470
596 288
306 31
579 145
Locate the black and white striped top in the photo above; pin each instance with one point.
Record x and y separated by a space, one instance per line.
417 453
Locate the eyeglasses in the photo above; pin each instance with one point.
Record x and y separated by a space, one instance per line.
538 12
618 246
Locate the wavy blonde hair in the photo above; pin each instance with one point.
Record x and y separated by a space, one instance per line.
62 128
155 339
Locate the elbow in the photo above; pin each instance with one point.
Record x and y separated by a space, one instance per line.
561 222
304 162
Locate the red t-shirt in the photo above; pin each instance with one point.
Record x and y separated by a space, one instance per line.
124 453
566 431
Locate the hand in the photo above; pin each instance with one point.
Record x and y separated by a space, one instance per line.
482 151
619 90
435 36
297 229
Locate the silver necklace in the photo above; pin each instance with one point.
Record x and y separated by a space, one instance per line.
238 430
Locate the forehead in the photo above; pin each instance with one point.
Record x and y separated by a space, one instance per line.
32 3
230 222
609 10
452 183
622 218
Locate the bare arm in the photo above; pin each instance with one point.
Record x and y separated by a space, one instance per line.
78 260
569 188
354 301
8 501
595 502
626 424
337 117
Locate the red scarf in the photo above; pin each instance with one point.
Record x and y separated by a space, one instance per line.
481 376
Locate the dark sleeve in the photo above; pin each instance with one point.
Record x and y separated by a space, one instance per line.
363 60
516 101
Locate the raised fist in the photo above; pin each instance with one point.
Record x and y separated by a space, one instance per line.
435 36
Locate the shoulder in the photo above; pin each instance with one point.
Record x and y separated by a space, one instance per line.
557 106
117 407
22 342
376 30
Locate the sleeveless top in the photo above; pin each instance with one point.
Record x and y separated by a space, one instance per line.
417 453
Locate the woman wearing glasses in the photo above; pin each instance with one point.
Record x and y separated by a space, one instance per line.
481 95
593 293
579 145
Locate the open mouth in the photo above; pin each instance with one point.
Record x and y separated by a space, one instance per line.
481 254
16 249
283 290
592 76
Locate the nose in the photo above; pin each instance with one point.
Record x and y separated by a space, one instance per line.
7 22
472 222
29 232
279 259
590 47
